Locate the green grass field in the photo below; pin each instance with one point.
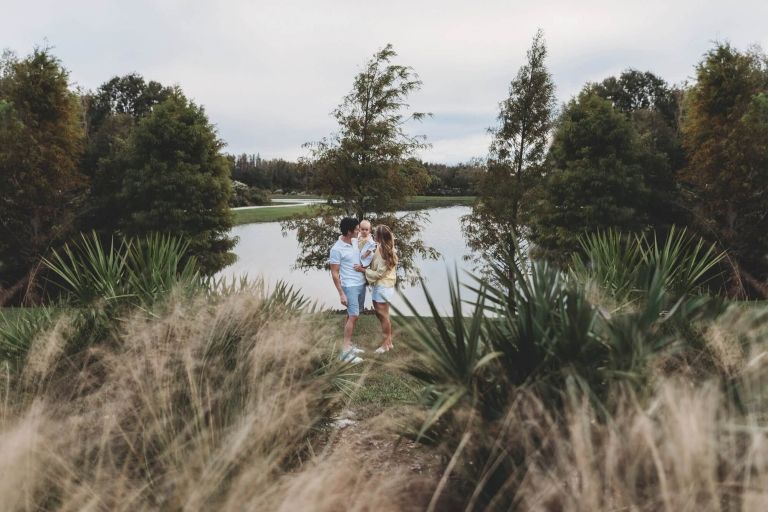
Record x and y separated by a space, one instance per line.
283 213
270 214
384 383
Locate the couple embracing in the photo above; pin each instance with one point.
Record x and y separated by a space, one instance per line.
357 260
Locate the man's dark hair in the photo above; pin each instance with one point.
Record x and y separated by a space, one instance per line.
348 224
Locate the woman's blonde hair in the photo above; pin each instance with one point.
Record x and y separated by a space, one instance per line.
386 243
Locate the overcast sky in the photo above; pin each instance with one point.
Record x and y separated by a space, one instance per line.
270 72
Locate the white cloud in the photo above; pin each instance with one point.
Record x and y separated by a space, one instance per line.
269 73
459 149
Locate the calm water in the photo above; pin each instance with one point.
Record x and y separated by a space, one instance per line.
263 251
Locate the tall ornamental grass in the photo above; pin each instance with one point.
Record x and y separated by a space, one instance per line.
208 406
558 392
150 389
96 284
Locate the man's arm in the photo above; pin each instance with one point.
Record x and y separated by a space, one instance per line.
337 282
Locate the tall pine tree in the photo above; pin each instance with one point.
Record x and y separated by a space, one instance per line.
368 168
497 222
41 131
725 132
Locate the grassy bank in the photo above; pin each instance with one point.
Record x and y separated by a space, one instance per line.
269 214
421 202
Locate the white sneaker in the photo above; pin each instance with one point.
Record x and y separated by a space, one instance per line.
350 357
357 350
380 350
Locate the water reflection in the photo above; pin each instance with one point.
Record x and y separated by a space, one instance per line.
263 251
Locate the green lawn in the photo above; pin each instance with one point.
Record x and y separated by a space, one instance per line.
283 213
270 214
383 382
297 197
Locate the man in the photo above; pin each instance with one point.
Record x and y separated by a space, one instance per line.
349 283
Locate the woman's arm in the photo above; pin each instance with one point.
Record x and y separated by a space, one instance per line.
372 275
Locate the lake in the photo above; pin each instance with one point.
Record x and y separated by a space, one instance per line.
263 251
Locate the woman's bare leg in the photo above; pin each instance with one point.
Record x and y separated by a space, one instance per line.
382 312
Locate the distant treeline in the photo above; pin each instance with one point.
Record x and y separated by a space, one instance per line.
282 176
275 175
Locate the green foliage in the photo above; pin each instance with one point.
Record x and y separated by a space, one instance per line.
155 165
529 350
176 181
112 113
368 169
368 166
624 265
634 90
18 331
496 224
135 272
104 281
127 95
103 163
243 195
284 213
725 131
653 108
594 179
319 232
275 174
452 361
540 330
453 180
42 138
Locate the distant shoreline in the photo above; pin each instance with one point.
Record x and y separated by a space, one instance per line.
305 204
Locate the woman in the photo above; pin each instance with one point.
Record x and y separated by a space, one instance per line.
381 274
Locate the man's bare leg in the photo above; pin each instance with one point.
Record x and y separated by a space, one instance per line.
349 327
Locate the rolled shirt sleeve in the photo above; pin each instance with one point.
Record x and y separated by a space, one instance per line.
335 257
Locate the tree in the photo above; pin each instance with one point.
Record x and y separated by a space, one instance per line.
126 95
112 113
634 90
653 108
42 139
176 180
453 180
725 132
368 165
368 168
497 222
594 178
